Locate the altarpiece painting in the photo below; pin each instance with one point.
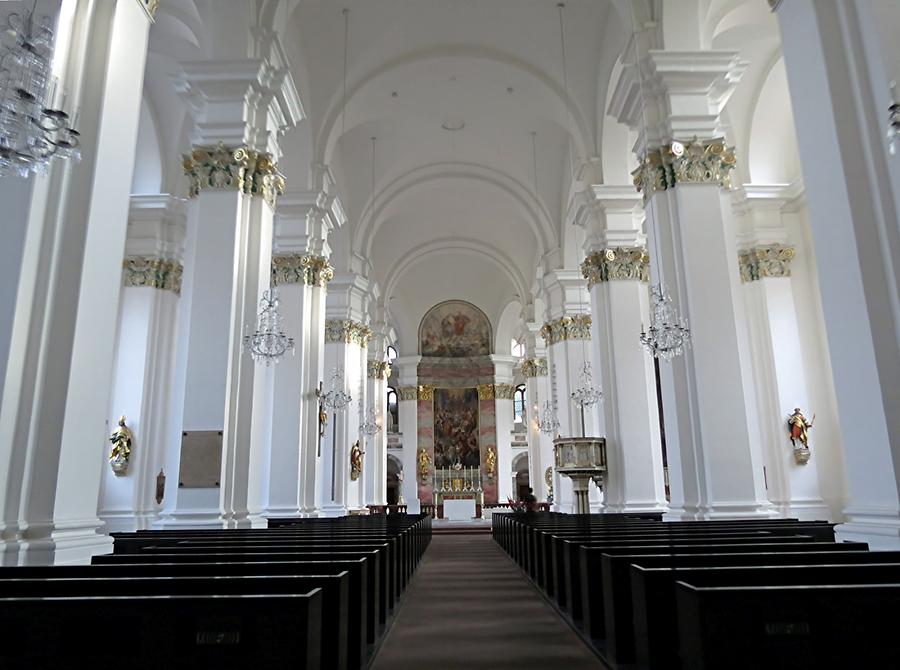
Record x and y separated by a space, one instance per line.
456 428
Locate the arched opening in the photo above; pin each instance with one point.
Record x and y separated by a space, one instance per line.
394 483
521 475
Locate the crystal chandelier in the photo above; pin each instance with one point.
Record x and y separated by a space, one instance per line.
33 129
335 398
586 395
269 343
668 335
893 130
370 424
548 424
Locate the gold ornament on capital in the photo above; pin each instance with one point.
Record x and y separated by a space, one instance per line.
574 327
347 332
694 162
617 263
157 273
378 369
773 260
534 367
301 268
220 167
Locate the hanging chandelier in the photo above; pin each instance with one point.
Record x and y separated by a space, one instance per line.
33 126
370 424
335 398
549 423
269 343
586 395
668 335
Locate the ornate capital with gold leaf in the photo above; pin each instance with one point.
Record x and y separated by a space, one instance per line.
574 327
426 392
504 391
486 392
771 260
301 268
242 169
347 332
694 162
408 393
150 6
378 369
152 272
616 263
534 367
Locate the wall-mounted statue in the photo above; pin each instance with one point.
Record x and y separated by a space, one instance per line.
424 461
356 464
798 430
121 440
490 459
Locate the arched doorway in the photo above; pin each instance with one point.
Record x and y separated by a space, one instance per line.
521 477
394 468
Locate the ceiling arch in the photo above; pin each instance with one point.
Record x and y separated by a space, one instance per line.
538 217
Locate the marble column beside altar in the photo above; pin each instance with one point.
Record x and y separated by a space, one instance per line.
407 399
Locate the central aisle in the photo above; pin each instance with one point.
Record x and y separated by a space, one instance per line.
470 607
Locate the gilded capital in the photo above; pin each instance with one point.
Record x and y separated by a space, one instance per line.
694 162
301 268
574 327
615 264
486 392
347 332
408 393
242 169
771 260
150 6
425 392
534 367
378 369
504 391
152 272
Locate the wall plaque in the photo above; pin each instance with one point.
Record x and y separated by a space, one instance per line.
201 459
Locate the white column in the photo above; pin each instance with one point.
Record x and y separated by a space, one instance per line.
712 430
145 359
301 271
617 272
839 93
540 446
407 398
375 461
238 108
504 390
346 342
53 421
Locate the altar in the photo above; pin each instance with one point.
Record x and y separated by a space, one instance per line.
459 509
458 494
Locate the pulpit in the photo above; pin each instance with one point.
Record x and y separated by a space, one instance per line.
581 459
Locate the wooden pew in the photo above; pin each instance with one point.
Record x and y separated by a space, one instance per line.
152 632
797 627
592 584
655 620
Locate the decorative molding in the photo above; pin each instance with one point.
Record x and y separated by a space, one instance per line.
534 367
426 392
504 391
771 260
574 327
149 6
693 162
615 264
486 392
347 332
240 168
153 273
306 268
408 393
378 369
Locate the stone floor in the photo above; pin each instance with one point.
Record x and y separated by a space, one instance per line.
470 607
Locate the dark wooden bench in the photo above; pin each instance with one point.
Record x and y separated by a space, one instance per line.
152 632
796 627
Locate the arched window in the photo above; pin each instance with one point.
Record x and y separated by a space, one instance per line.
517 348
391 354
519 404
392 408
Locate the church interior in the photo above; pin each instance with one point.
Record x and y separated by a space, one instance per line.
472 333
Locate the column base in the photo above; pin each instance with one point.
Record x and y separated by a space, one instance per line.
722 511
813 509
66 543
879 526
189 518
128 522
281 513
333 510
637 507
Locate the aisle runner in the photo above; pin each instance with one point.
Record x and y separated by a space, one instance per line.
469 607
